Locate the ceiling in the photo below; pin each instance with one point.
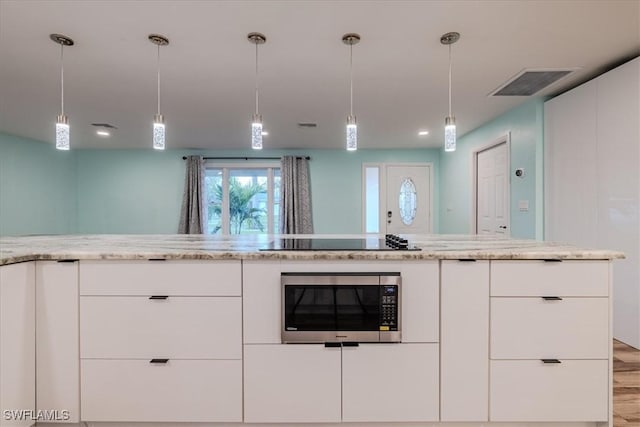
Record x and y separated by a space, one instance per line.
207 70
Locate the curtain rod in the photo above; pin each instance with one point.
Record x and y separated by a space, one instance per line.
248 158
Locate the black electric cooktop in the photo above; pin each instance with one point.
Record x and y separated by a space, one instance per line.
390 243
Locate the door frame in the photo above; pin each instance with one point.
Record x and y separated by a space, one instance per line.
382 192
502 139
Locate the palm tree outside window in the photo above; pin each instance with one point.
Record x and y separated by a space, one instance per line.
242 199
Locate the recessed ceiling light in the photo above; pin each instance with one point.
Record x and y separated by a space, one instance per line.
423 133
103 133
265 133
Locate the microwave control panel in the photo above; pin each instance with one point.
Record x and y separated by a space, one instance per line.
389 307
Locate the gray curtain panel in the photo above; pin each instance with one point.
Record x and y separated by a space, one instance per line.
192 214
295 196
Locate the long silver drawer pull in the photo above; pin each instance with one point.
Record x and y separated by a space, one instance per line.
552 298
550 361
160 297
159 361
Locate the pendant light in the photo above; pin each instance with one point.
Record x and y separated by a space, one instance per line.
256 122
450 121
62 123
158 119
352 127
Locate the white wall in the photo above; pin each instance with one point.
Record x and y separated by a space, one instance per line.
592 179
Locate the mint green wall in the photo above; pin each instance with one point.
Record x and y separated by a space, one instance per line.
140 191
37 188
129 191
526 126
46 191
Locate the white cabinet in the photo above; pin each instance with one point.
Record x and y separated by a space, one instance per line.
262 297
175 327
159 277
58 362
464 341
314 383
161 341
535 278
17 343
530 390
567 328
549 351
390 382
291 383
176 391
592 179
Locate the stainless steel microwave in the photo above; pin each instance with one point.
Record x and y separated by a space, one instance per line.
341 307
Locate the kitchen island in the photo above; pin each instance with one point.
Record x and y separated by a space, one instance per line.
187 329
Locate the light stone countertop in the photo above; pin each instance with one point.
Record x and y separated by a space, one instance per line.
205 247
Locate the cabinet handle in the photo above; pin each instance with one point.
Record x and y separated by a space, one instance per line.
552 260
159 361
350 344
157 259
67 260
467 260
160 297
333 344
552 298
550 361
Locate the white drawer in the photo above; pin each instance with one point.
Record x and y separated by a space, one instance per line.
176 327
534 328
210 278
178 391
540 278
390 383
529 390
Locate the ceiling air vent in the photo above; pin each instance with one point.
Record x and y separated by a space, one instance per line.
307 125
104 125
530 81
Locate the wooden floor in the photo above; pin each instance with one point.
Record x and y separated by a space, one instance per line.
626 385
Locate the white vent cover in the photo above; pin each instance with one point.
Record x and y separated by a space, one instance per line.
530 81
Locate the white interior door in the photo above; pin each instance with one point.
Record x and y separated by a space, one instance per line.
408 199
492 181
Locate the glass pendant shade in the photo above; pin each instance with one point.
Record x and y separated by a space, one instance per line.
256 132
450 134
352 133
62 132
158 132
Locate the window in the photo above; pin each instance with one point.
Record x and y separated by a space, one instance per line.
371 198
242 199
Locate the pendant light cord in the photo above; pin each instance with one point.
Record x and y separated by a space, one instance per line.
351 79
256 82
449 80
158 66
62 79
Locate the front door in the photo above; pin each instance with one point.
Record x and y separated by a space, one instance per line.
492 210
408 199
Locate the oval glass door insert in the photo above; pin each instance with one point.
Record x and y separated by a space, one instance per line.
408 201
